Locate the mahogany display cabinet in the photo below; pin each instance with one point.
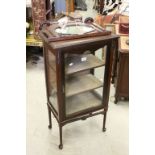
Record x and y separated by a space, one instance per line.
74 92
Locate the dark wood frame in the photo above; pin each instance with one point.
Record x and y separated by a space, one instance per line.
59 48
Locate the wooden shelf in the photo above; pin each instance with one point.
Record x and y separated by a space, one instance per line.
82 101
74 65
78 84
78 66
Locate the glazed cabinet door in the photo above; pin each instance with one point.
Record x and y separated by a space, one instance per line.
83 84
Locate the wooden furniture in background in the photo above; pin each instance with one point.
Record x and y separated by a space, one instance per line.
71 82
41 11
99 5
120 76
124 24
101 2
120 73
38 14
70 6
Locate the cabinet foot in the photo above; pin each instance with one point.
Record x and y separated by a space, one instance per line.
50 126
60 146
116 100
83 119
104 129
126 98
112 81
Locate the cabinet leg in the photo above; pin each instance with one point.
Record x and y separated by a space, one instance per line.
112 79
50 118
104 121
116 100
127 98
60 132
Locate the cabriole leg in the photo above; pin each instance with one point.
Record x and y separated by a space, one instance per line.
116 99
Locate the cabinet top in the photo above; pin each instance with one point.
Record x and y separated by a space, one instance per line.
78 43
74 34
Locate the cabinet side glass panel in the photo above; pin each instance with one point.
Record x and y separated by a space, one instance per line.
52 80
